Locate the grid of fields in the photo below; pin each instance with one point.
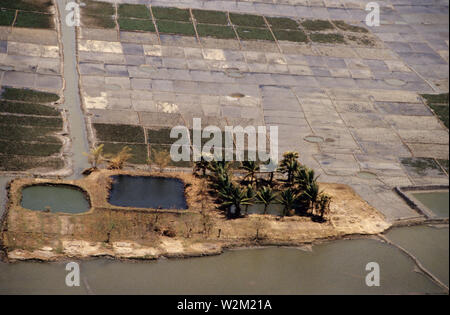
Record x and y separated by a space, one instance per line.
28 127
220 24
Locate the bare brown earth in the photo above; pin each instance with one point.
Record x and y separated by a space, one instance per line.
134 233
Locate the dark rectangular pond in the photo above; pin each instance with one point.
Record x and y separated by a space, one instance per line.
147 192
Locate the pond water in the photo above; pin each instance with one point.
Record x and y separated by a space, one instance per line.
437 202
332 268
428 244
59 198
147 192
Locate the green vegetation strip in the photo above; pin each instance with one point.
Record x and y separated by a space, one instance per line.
255 33
23 163
28 95
134 11
119 133
216 31
23 133
139 151
97 21
136 25
27 108
34 20
327 38
247 20
31 121
178 28
350 28
293 36
159 136
6 17
282 23
97 8
210 17
421 166
439 104
317 25
27 5
172 14
34 149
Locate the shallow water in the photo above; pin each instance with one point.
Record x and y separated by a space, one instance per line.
332 268
58 198
437 202
147 192
430 245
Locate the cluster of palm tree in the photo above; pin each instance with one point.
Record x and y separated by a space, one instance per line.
298 193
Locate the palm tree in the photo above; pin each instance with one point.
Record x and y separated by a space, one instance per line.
324 204
117 162
236 197
251 167
95 156
312 194
304 176
289 164
266 195
250 194
201 166
287 198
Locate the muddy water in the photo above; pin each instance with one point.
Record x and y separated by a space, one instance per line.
437 202
72 101
55 198
332 268
430 245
